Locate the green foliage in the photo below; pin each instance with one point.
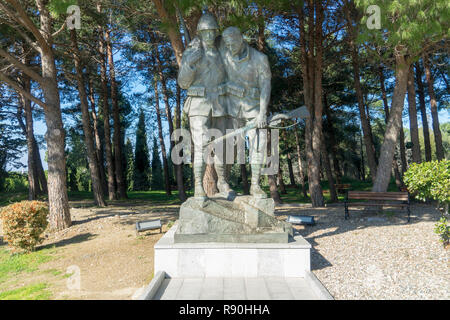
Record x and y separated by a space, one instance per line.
78 176
141 176
59 7
443 230
157 182
129 164
407 25
429 180
15 182
23 224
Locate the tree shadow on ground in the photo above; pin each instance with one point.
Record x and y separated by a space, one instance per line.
75 239
333 218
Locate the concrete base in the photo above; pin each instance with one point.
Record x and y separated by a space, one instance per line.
200 260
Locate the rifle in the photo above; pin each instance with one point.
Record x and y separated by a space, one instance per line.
273 121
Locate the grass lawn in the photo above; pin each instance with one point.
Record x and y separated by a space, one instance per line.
17 266
293 194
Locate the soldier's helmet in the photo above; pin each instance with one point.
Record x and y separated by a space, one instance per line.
207 22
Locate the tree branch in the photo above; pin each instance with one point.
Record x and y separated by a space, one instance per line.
24 68
60 29
20 90
27 23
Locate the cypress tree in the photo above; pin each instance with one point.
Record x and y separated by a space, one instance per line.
129 171
141 170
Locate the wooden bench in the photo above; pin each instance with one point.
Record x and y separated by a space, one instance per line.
342 188
377 199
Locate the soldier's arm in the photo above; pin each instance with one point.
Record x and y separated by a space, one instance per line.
264 78
186 73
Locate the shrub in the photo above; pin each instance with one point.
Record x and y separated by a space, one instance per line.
443 230
430 180
23 224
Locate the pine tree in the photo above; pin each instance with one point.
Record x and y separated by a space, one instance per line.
129 164
141 176
157 176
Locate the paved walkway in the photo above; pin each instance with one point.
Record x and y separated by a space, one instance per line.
235 289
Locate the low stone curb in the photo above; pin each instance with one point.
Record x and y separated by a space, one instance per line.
317 286
152 288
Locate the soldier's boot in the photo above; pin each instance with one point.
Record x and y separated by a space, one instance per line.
222 184
255 189
199 192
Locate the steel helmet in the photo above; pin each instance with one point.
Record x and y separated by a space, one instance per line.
207 22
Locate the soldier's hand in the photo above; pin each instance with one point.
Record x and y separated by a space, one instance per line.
261 121
194 57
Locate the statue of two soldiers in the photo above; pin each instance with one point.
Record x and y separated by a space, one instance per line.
228 85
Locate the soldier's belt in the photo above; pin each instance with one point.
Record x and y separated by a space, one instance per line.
198 91
229 88
241 92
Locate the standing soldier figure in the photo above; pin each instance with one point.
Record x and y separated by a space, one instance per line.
202 73
248 89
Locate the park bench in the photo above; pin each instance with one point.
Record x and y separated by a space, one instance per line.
377 199
149 225
309 220
342 187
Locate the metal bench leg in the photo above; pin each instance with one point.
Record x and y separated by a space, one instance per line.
346 211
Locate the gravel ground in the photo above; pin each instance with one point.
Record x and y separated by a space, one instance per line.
374 256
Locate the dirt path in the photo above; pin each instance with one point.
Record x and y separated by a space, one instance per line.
366 257
113 261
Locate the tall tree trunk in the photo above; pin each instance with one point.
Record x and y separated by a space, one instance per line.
332 140
179 168
327 165
393 126
98 143
244 176
397 175
402 148
118 165
40 169
59 213
161 138
25 104
112 195
413 126
434 112
423 112
33 179
364 118
88 138
300 164
280 180
260 44
291 169
272 179
311 53
210 181
363 166
169 18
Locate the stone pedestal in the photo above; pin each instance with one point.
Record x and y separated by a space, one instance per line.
212 259
243 220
